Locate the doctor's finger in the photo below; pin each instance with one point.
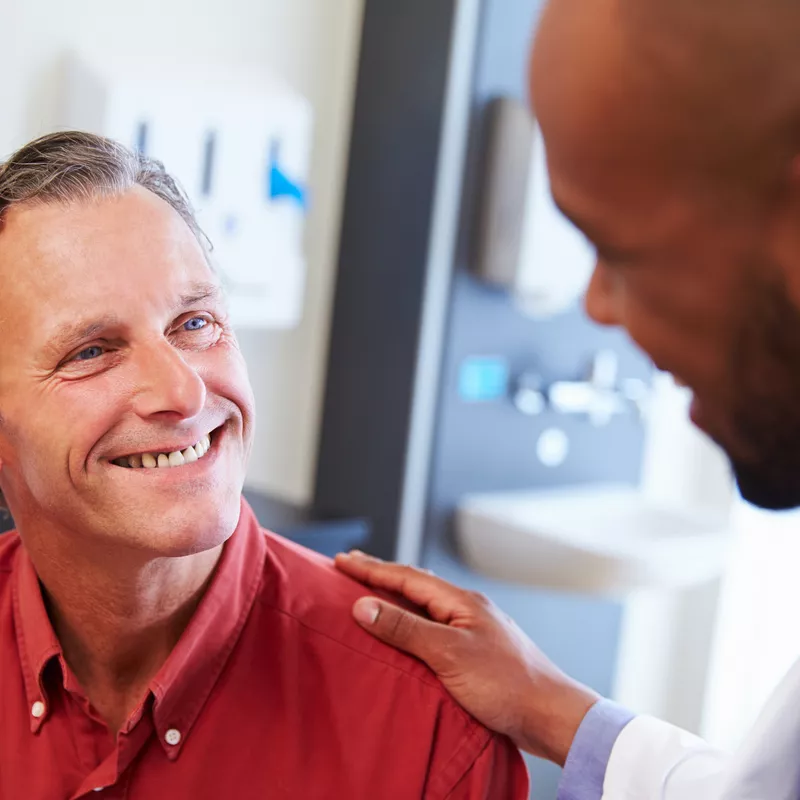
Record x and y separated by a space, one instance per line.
442 600
427 640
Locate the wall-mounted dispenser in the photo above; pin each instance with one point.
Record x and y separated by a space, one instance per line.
525 244
239 142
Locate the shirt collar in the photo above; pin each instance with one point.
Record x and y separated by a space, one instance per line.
183 684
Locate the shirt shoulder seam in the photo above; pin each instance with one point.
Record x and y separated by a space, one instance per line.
431 682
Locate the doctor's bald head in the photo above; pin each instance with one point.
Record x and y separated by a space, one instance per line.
716 82
672 130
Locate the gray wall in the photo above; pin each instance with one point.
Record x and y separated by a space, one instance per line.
397 121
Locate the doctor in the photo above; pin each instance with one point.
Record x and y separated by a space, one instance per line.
673 137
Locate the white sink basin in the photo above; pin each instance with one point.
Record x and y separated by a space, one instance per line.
605 540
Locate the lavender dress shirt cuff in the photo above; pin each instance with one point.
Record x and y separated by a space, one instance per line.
588 758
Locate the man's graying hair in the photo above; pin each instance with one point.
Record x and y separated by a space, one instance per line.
74 166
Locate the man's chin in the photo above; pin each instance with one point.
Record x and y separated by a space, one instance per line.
185 528
178 544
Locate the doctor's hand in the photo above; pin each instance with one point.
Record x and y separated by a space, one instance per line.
478 653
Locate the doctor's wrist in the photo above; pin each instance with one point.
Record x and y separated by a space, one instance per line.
554 717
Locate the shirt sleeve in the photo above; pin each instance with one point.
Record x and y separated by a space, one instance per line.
499 771
585 770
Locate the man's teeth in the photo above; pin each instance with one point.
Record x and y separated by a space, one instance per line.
164 460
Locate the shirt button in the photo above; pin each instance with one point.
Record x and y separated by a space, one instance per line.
37 709
172 736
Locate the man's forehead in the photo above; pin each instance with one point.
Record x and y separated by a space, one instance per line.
101 257
106 235
99 221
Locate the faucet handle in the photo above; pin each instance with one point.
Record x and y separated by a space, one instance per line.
601 397
604 370
638 393
528 395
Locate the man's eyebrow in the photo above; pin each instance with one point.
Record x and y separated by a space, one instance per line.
199 292
73 333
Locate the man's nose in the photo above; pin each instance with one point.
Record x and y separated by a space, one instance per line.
168 385
601 300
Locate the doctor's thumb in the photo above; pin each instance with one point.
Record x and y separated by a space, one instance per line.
400 628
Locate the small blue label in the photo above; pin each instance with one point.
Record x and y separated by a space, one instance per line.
279 184
483 379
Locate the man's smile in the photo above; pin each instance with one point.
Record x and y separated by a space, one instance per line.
170 456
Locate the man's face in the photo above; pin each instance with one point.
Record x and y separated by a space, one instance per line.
114 343
690 272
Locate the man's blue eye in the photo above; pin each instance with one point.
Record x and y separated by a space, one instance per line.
195 324
89 353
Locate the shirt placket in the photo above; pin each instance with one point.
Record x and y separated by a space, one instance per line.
110 779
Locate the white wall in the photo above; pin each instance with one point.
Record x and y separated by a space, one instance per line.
312 45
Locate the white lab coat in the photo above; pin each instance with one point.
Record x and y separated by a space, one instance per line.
653 760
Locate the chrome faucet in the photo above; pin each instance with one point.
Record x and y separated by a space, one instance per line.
601 396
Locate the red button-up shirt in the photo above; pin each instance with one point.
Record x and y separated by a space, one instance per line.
272 693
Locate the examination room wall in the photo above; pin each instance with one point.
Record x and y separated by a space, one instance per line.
309 44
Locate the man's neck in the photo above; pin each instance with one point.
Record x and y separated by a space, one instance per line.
117 625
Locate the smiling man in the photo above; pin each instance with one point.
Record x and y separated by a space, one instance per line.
154 641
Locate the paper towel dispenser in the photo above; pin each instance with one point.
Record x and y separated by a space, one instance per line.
524 242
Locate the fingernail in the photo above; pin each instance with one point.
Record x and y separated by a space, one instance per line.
359 554
366 611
